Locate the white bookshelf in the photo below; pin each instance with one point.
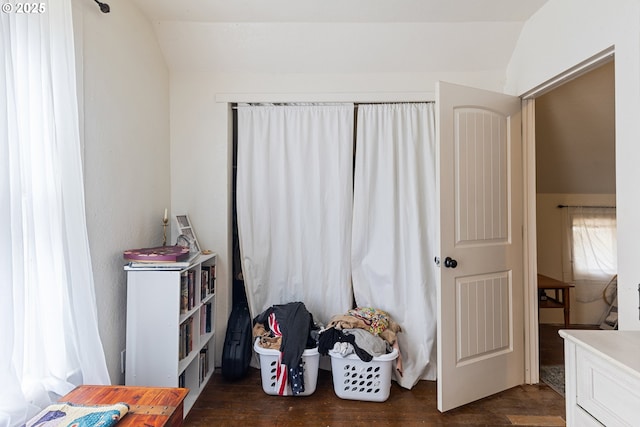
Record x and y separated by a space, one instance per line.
157 354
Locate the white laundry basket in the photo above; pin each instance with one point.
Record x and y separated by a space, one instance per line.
269 362
358 380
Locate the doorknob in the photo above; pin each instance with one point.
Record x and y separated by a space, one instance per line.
450 262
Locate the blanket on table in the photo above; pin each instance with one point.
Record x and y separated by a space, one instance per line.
71 415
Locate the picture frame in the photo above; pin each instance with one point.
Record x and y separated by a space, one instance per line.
185 228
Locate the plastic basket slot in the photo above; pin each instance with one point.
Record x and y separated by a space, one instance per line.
361 380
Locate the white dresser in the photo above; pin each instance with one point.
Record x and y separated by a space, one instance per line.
602 377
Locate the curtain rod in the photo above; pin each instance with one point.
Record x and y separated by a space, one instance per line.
355 104
104 8
584 206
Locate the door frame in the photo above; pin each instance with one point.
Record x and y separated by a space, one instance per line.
532 344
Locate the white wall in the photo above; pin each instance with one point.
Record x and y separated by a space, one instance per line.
550 233
561 35
124 101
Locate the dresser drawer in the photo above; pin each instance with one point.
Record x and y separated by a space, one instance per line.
607 392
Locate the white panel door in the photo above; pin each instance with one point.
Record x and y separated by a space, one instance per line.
480 295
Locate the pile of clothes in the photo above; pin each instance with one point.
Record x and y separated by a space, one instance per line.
365 331
290 329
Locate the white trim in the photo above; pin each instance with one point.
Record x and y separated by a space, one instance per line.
531 336
576 71
532 343
326 97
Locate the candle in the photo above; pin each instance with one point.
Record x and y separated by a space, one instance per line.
165 218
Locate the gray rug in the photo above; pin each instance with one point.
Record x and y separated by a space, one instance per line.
553 376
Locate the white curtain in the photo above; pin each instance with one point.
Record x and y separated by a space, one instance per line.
48 322
592 237
394 226
294 206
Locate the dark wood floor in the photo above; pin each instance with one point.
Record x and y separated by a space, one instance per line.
551 345
244 403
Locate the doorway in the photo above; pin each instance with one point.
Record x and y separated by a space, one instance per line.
575 166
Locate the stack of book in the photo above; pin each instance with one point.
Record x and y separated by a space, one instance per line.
162 257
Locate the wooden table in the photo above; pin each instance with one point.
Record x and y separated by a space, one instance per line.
148 406
548 283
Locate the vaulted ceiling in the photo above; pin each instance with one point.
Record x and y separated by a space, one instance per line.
311 36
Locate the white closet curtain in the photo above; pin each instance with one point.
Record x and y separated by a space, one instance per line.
49 340
294 206
394 226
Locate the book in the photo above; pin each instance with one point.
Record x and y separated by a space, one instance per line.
184 294
157 265
212 280
191 281
204 363
158 254
204 282
208 316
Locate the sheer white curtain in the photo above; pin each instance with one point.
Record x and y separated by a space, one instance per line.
48 322
394 226
592 250
294 206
